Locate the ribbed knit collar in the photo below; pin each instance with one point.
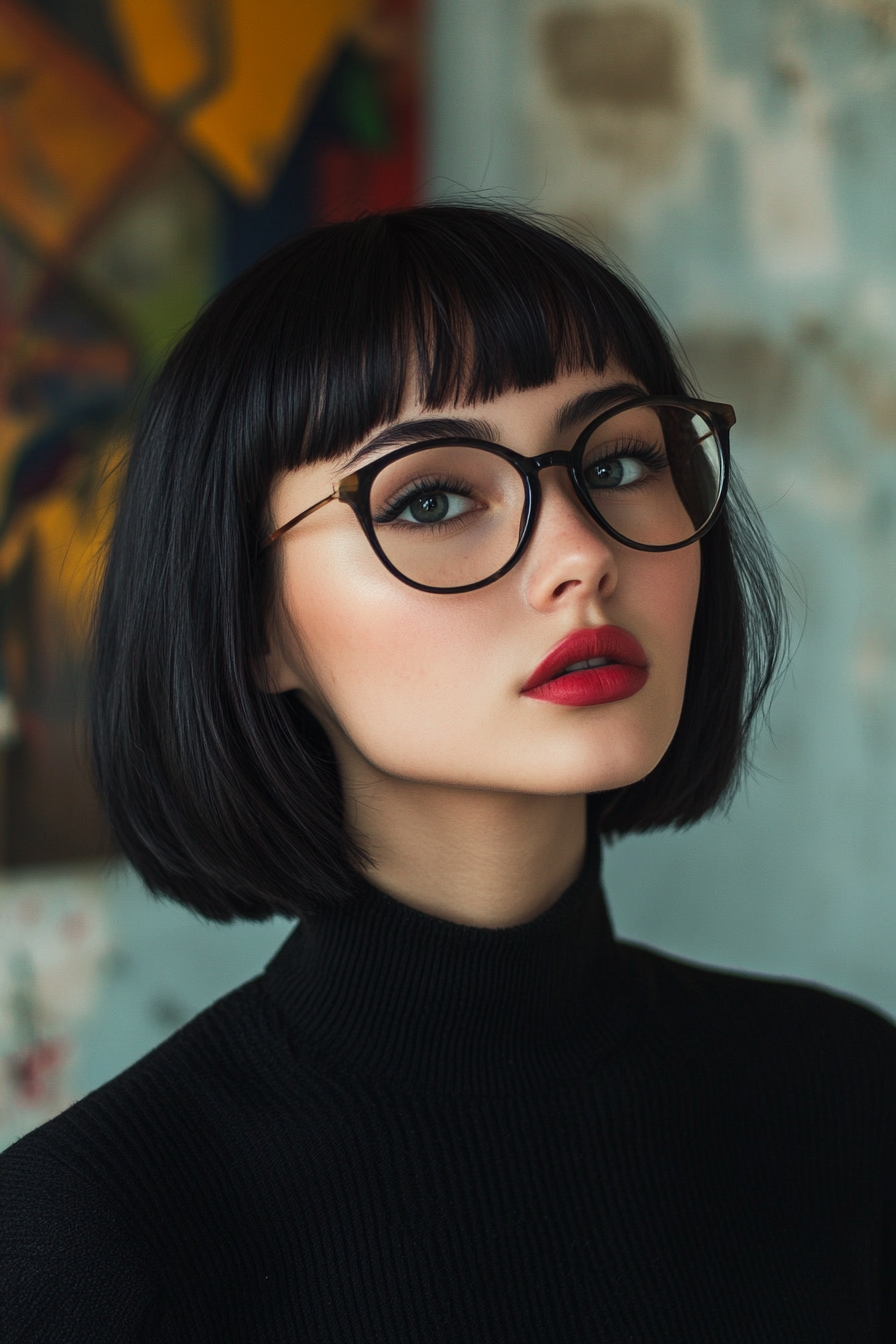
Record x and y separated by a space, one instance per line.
381 989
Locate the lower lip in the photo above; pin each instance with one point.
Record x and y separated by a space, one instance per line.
593 686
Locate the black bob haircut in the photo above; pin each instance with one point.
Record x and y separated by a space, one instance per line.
227 798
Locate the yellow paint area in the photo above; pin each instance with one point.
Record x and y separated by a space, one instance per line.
275 52
65 531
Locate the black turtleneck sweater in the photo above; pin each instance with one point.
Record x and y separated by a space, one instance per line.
412 1131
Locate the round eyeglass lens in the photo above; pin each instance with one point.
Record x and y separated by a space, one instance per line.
448 516
653 473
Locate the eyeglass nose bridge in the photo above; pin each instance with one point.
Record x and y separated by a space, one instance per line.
560 457
531 468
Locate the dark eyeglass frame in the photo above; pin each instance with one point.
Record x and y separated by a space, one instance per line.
355 489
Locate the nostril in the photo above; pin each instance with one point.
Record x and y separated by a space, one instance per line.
565 586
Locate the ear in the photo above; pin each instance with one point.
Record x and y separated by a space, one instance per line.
275 677
277 671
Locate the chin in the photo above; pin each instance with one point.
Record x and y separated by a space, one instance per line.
595 766
553 777
581 757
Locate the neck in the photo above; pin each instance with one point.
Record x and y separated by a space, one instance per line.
437 1004
466 855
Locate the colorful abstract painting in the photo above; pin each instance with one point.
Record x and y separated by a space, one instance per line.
149 149
68 136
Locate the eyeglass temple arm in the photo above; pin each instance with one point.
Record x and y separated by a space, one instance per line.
275 536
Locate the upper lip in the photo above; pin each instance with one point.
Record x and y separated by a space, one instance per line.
601 641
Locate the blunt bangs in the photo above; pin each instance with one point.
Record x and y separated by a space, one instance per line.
227 798
450 304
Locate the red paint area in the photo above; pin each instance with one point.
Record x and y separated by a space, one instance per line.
35 1071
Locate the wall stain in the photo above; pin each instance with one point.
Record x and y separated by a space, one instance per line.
879 15
748 368
628 58
863 365
618 74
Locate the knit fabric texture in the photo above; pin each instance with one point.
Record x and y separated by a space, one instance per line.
412 1131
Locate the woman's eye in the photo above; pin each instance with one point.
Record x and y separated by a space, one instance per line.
610 473
434 506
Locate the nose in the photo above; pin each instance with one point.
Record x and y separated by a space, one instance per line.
570 558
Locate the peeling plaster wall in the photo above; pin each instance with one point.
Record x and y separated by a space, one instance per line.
745 172
93 974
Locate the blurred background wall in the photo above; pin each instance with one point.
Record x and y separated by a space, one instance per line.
737 157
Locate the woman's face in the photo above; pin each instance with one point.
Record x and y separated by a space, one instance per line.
431 687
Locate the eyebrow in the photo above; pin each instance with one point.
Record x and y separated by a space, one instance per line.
591 404
587 405
419 431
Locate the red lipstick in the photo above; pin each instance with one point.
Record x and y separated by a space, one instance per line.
620 671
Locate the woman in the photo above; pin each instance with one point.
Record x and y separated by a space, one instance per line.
424 579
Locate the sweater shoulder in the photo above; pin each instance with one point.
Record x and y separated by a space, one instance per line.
91 1201
73 1265
234 1051
788 1023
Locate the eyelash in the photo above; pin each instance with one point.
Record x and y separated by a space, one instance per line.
434 484
652 457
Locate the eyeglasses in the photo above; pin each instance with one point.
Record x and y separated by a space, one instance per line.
452 515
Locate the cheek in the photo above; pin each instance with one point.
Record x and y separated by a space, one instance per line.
380 657
667 587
